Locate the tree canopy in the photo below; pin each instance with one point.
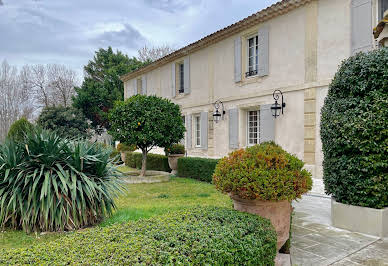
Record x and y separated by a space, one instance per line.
147 122
66 121
102 85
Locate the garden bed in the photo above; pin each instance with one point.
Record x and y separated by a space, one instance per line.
133 177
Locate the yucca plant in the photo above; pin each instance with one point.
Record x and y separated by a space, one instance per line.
48 183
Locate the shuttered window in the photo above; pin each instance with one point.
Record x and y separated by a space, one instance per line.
253 129
253 56
197 127
181 69
382 6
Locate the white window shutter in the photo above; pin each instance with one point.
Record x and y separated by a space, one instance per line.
144 85
361 26
237 59
263 45
186 73
267 124
204 126
188 132
233 128
173 80
135 86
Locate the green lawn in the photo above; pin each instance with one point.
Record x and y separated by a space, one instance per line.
139 201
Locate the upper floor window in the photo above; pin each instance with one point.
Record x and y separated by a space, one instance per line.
139 86
253 56
253 127
181 77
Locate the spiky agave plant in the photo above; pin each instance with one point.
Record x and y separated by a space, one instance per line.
48 183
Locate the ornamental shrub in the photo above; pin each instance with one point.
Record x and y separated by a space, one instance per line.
175 149
19 129
122 147
48 183
199 236
264 172
354 131
155 162
197 168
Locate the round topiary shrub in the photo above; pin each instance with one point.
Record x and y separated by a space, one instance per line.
19 129
199 236
264 172
48 183
122 147
354 131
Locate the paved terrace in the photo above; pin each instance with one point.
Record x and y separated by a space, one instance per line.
316 242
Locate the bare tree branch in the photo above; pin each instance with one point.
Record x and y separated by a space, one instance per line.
151 54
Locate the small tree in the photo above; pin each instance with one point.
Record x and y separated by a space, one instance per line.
147 122
66 121
19 129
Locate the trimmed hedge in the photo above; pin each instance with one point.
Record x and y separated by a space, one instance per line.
354 131
155 162
197 168
199 236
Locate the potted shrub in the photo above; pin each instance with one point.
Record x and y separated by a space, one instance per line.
263 180
123 148
174 153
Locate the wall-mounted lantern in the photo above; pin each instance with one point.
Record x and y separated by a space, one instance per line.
218 114
276 107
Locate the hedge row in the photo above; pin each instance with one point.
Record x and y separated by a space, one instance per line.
200 236
197 168
155 162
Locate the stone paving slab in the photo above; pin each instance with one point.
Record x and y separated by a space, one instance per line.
316 242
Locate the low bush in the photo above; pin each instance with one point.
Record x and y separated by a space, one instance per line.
175 149
19 129
48 183
155 162
122 147
197 168
264 172
199 236
354 131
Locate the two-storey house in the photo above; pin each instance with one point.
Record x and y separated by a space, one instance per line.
294 46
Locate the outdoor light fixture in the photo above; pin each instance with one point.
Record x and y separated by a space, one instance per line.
218 115
276 107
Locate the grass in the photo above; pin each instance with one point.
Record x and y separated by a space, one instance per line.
139 201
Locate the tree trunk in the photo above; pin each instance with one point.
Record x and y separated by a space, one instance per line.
144 163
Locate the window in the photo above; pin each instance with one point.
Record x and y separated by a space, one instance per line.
197 127
253 130
253 56
139 85
382 6
181 77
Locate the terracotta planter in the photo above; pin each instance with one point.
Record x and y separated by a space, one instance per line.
277 211
122 154
173 162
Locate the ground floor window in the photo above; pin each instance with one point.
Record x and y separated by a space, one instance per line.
253 127
197 127
184 137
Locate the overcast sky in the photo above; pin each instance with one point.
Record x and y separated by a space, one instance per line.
69 31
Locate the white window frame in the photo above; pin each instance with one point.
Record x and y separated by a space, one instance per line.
256 56
197 130
248 127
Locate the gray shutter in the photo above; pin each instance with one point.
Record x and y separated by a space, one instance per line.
204 122
144 85
186 72
135 86
233 128
263 44
188 131
237 59
361 25
173 79
267 124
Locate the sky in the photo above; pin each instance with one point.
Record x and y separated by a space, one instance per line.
70 31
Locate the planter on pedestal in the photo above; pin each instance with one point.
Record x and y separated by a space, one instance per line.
173 162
